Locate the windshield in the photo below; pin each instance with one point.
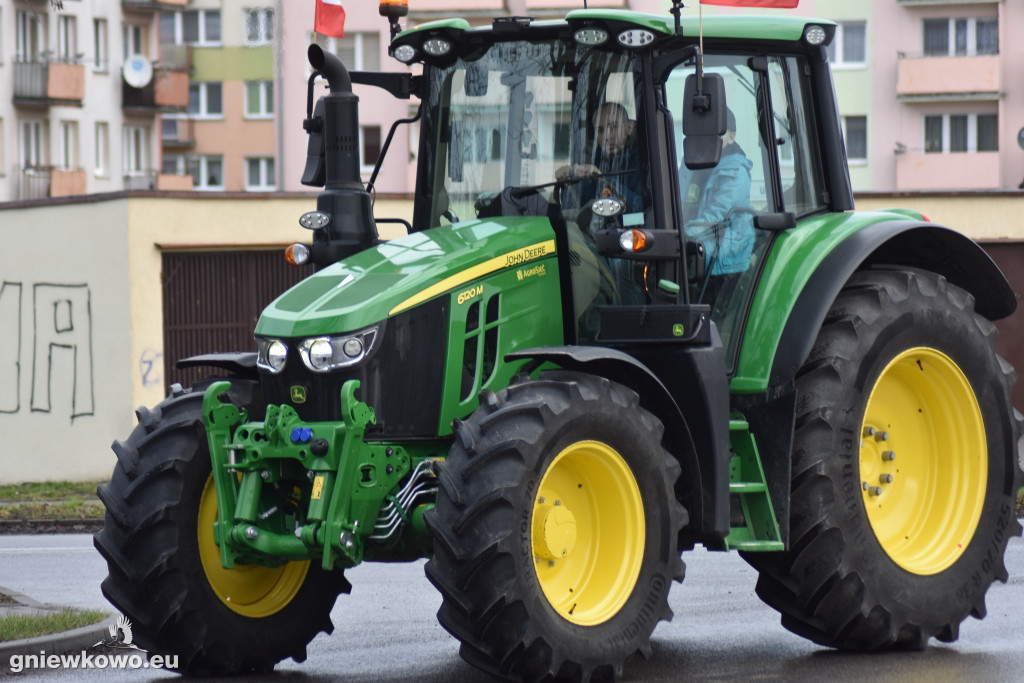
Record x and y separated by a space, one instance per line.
522 116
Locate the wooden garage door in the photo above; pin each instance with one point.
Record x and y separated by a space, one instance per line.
212 301
1009 256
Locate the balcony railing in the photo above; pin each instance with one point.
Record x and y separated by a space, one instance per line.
42 82
34 182
154 5
67 182
175 57
953 171
948 77
140 180
177 132
167 91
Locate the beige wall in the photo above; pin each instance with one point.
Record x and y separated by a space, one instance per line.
65 352
982 216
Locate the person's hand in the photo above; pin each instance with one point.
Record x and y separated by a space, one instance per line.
577 171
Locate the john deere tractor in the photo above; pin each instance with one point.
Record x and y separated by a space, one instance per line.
571 370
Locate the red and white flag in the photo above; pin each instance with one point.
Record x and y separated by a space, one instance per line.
765 4
330 18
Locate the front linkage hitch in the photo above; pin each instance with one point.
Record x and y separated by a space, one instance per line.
264 471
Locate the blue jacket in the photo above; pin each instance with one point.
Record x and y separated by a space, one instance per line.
717 212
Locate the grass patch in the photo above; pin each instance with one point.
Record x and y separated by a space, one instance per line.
75 508
63 500
16 627
1020 503
38 492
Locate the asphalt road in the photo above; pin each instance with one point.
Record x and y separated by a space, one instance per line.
386 631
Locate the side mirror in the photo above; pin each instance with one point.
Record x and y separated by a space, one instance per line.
315 172
703 121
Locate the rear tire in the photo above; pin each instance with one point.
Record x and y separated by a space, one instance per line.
905 469
555 530
164 567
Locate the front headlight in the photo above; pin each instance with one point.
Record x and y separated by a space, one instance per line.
272 355
323 354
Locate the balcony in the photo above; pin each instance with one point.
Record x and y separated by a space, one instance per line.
34 182
930 79
140 180
955 171
174 182
42 84
154 5
175 57
168 91
177 132
67 182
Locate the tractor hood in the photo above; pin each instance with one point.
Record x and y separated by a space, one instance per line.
397 275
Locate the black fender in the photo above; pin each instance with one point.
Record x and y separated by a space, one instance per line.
239 363
911 243
696 426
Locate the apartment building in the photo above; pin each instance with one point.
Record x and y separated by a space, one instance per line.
226 138
69 121
927 91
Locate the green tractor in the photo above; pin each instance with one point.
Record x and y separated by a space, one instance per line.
634 312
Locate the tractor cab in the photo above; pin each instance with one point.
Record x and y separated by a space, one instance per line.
602 124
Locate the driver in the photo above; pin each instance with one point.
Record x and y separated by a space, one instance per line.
615 163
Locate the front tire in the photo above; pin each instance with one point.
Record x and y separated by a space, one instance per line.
165 573
555 530
905 469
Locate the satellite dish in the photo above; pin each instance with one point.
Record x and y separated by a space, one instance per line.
137 71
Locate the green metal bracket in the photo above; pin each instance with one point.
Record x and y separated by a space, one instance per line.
747 480
348 482
221 418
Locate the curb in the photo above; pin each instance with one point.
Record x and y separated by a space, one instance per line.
74 640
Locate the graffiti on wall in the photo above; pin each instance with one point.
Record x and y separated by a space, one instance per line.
46 355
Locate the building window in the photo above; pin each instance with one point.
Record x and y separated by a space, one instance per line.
855 133
369 146
206 100
964 37
29 36
960 133
133 41
259 26
135 150
67 38
68 145
200 27
102 165
849 48
32 144
259 174
259 99
207 172
99 45
988 133
357 51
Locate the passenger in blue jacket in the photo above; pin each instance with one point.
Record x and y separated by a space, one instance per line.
716 207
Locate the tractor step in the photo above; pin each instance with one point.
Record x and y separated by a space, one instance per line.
746 480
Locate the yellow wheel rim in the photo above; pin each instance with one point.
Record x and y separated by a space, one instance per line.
588 533
923 461
250 590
